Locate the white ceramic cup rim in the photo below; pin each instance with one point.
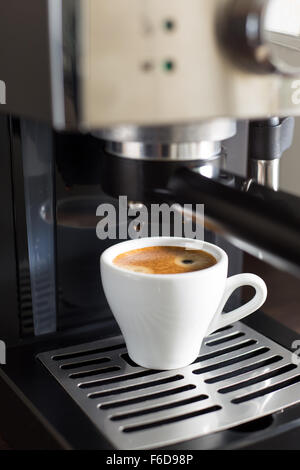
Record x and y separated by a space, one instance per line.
111 253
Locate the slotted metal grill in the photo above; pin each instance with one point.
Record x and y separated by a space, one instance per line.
239 376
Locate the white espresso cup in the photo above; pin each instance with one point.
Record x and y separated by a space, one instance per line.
165 317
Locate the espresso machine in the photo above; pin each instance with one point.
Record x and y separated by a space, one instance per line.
167 102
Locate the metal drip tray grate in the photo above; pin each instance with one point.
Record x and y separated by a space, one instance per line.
239 376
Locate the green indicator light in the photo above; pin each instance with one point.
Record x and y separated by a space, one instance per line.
169 25
168 65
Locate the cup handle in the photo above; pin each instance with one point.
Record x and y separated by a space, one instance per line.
221 320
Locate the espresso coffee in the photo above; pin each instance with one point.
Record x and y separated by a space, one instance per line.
165 260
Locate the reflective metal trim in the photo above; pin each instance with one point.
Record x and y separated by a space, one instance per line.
238 377
174 152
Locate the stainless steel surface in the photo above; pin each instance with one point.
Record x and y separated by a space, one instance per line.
263 36
201 83
266 172
185 151
69 41
215 131
181 142
90 65
210 168
238 377
281 34
55 25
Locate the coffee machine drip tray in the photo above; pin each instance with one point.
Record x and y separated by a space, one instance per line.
239 376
